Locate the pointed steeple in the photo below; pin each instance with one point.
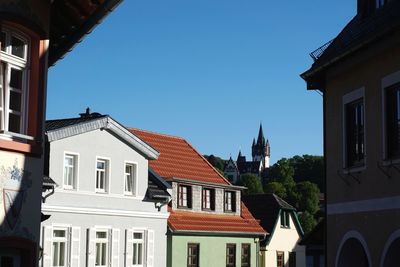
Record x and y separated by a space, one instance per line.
260 138
254 142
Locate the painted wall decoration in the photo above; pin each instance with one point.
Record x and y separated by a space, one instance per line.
14 185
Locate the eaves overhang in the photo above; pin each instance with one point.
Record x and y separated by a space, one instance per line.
195 182
218 233
72 20
104 123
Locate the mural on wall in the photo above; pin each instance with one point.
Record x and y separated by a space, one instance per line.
14 184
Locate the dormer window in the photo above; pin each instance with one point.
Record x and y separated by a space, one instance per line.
285 219
13 81
184 196
230 201
208 199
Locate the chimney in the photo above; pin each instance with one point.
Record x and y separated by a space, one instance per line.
86 114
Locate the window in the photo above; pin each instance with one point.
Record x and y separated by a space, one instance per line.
138 244
70 171
393 121
184 196
130 179
60 241
355 147
230 201
208 199
101 248
102 173
13 81
380 3
292 259
193 255
230 255
285 219
246 255
280 259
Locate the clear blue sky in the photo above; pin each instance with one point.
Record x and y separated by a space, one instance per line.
206 70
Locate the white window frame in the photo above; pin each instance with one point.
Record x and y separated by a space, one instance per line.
346 99
75 167
144 245
107 172
22 64
66 240
103 241
134 185
231 203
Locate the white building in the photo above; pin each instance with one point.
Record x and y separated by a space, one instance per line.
109 208
281 247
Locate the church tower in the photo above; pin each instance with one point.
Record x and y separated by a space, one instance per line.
261 150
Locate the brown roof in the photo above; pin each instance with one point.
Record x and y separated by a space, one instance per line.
179 159
185 221
71 20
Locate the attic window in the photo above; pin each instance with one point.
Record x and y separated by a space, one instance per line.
285 219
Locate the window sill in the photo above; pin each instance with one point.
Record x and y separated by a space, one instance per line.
19 144
184 208
101 192
354 169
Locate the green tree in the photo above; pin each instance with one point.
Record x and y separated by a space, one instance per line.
309 168
307 197
307 221
217 162
252 182
276 188
282 171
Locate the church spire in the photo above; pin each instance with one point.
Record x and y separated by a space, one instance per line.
260 138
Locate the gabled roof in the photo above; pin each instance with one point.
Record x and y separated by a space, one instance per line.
266 209
358 33
179 159
157 187
71 20
197 223
64 128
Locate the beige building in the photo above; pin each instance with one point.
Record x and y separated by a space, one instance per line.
359 75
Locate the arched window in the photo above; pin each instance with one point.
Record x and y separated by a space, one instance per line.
353 251
14 65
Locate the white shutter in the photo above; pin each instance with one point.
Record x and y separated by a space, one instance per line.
115 248
47 245
91 248
150 248
128 248
75 246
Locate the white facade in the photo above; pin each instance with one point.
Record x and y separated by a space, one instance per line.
97 219
283 239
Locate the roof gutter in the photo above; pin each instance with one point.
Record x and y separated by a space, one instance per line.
214 233
96 18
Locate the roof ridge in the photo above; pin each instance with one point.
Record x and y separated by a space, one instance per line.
76 118
153 132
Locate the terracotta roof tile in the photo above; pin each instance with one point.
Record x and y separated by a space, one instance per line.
181 221
179 159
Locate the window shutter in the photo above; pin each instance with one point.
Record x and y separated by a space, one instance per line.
128 247
212 199
47 246
115 247
234 201
189 196
150 248
91 248
75 246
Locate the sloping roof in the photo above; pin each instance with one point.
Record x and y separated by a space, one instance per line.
64 128
359 32
188 222
48 182
156 187
315 238
266 208
179 159
248 166
71 20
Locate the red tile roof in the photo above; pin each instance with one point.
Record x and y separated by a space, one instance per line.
179 159
185 221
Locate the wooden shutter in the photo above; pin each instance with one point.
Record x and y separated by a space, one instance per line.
212 198
47 246
189 197
91 247
234 201
75 246
150 248
115 247
128 248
